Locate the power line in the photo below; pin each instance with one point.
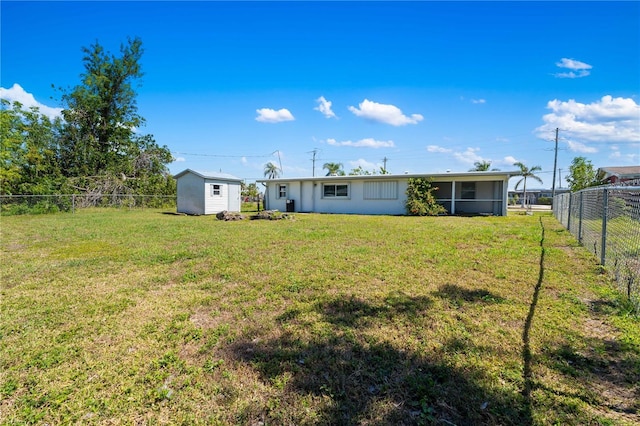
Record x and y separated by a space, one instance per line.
224 156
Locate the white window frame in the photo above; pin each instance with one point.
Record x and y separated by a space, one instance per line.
216 192
335 196
279 192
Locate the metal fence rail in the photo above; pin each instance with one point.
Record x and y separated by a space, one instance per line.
606 220
34 204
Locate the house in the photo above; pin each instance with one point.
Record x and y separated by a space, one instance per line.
459 193
207 193
616 175
535 196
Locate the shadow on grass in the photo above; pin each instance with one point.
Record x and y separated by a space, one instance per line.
368 380
458 294
526 333
608 370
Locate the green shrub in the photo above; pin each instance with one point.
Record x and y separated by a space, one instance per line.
420 198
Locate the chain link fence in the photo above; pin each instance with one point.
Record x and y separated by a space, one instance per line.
39 204
606 220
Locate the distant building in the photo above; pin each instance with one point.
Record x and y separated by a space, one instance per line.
614 175
534 196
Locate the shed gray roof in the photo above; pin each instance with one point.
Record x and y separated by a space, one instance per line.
209 175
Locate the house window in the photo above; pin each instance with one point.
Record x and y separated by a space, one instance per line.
381 190
216 190
282 191
335 191
468 190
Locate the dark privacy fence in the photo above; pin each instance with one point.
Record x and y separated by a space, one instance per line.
606 220
34 204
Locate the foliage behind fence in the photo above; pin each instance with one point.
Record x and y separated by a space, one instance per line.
37 204
606 220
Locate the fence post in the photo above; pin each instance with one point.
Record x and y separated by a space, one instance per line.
581 209
569 213
73 203
605 211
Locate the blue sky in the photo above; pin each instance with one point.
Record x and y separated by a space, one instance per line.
428 86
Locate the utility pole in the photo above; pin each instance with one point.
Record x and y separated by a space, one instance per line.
384 161
315 151
559 178
555 164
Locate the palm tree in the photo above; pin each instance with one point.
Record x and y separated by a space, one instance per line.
333 169
482 166
271 171
526 172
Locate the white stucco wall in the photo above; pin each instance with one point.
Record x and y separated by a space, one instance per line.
190 188
307 194
308 197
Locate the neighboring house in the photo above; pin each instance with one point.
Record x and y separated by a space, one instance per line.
613 175
534 195
459 193
207 193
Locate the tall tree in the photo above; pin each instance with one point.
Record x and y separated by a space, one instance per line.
271 171
582 174
12 149
333 169
29 151
101 146
101 113
526 173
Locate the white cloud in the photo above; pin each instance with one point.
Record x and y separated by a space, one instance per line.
363 143
478 101
324 106
469 156
179 160
366 165
268 115
439 149
509 160
609 119
578 69
580 147
17 94
572 74
389 114
572 64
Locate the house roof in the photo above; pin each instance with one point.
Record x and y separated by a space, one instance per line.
209 175
489 175
628 172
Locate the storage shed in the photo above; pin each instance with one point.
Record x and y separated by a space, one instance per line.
207 193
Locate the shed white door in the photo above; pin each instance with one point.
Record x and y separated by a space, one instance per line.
217 198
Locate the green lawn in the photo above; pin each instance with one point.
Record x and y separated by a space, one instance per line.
144 317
